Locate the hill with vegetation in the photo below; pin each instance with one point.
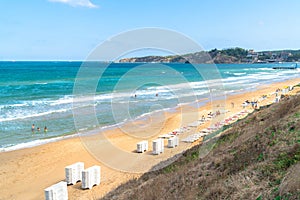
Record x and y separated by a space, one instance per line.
254 158
231 55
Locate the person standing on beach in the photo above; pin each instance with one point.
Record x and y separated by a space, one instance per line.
32 128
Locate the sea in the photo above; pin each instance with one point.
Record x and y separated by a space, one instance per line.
47 93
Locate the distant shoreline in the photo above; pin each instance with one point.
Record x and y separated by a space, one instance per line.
226 56
235 55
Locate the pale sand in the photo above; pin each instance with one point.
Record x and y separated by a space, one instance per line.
27 172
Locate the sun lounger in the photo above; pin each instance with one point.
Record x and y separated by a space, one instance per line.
181 130
195 124
58 191
142 146
158 146
224 111
174 133
212 129
209 117
202 120
73 172
203 134
188 139
192 138
206 131
91 177
178 131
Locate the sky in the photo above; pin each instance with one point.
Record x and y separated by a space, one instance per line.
71 29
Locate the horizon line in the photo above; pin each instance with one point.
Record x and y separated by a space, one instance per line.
79 60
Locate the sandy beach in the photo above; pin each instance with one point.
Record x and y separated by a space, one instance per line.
27 172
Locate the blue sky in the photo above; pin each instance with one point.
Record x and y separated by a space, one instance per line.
70 29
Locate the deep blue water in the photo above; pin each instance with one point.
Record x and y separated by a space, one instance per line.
42 93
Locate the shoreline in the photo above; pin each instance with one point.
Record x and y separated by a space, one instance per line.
60 120
27 172
87 132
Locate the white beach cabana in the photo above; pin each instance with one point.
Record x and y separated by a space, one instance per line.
73 172
142 146
158 146
173 142
91 177
58 191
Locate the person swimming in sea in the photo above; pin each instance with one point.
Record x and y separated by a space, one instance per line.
45 129
32 128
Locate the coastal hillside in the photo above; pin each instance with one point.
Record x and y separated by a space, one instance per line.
255 158
230 55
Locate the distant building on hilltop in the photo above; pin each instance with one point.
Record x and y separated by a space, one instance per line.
252 56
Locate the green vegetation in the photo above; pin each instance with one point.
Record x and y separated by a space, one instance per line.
285 160
235 52
229 55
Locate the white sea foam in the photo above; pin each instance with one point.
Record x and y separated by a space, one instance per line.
43 83
68 99
22 115
239 74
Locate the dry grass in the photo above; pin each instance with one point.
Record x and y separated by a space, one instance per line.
257 158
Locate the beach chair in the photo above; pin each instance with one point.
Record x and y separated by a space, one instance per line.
206 131
91 177
180 130
58 191
190 139
187 139
73 173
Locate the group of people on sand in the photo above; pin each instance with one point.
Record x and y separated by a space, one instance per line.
210 114
38 129
254 104
277 92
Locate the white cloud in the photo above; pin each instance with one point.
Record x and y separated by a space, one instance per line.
83 3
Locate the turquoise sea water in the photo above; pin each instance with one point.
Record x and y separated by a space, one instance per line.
42 93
